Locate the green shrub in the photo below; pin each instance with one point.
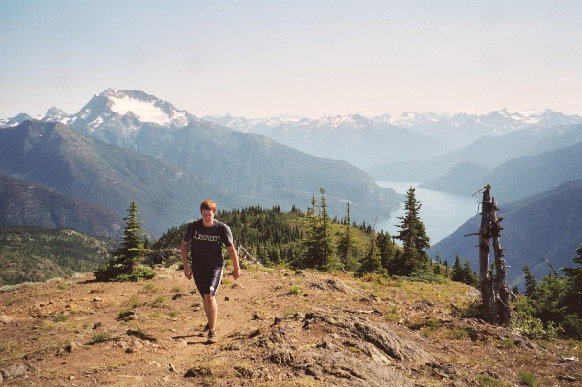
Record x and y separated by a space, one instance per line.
527 378
150 288
572 326
295 290
60 317
100 338
487 380
63 286
124 314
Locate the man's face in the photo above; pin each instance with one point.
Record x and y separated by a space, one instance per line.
207 217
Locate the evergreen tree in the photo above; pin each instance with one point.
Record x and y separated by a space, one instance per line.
457 270
126 259
414 258
310 256
530 282
329 261
469 276
345 245
372 263
573 297
386 249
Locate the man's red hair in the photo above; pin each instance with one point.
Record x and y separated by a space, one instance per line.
208 205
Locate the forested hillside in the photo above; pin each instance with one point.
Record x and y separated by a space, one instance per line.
276 237
27 204
53 155
31 254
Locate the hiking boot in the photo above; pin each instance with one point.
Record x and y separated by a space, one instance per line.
211 336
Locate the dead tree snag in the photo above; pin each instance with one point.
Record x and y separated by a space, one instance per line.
495 293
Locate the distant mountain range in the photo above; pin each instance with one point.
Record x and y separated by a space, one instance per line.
173 161
489 152
544 226
369 141
519 177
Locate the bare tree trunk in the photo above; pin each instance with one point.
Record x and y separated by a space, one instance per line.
500 288
495 293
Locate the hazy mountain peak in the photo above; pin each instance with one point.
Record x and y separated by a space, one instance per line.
144 107
54 114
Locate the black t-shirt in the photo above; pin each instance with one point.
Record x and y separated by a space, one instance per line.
206 242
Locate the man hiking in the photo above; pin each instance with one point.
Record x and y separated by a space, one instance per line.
206 237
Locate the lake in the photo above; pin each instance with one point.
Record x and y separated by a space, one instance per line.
441 212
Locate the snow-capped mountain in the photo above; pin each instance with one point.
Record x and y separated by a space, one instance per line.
500 122
115 109
126 111
494 123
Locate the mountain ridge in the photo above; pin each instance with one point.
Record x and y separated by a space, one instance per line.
26 204
53 155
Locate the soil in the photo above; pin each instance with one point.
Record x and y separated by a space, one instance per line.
276 327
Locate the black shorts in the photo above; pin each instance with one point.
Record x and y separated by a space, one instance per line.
207 279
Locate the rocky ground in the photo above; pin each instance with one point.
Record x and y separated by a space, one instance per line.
276 327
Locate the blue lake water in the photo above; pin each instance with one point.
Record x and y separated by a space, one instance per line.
441 212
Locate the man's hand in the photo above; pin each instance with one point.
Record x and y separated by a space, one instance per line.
236 272
187 272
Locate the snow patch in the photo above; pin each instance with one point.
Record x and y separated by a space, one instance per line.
145 111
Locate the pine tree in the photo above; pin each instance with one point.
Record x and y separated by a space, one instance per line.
329 261
311 256
386 248
530 282
457 270
414 258
573 298
372 263
345 245
126 259
469 276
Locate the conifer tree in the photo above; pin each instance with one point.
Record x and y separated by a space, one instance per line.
457 270
311 252
386 249
530 282
574 294
345 245
414 258
126 259
371 263
318 244
329 260
469 276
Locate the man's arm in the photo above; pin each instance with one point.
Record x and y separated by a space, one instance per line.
184 251
234 257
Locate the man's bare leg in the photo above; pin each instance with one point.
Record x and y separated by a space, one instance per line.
211 310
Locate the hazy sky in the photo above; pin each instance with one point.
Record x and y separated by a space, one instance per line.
308 58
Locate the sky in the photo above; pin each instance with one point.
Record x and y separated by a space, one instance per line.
303 58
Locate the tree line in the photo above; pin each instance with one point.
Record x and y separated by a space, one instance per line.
298 239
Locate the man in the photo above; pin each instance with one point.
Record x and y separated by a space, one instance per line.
206 237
